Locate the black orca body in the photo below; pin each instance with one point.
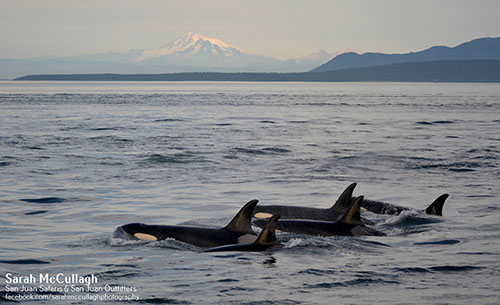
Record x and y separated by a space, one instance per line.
238 231
379 207
295 212
341 205
348 225
265 241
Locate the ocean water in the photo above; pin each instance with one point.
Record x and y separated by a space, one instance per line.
78 160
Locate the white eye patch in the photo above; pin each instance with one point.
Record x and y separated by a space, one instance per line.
246 239
261 215
145 236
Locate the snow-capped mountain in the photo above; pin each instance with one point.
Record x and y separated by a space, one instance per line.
197 50
192 44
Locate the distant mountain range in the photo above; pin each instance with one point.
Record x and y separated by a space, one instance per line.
483 48
477 60
190 53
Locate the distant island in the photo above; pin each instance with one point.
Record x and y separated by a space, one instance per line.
482 48
427 71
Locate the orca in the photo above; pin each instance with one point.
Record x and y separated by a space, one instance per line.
296 212
265 241
379 207
341 205
348 225
238 231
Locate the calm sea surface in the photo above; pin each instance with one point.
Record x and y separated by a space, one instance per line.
78 159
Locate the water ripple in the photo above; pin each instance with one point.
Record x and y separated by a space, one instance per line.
44 200
455 268
440 242
353 283
25 262
161 301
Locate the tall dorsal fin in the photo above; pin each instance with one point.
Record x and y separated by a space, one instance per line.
352 215
344 201
242 220
268 234
436 207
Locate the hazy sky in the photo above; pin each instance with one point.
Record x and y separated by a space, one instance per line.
279 28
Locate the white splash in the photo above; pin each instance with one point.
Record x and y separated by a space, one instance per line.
401 217
294 242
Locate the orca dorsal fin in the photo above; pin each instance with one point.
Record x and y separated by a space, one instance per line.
241 222
268 234
353 215
344 201
436 207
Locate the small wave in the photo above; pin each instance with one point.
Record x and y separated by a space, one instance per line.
452 166
314 271
373 243
440 242
443 122
120 265
177 158
111 163
227 280
276 150
160 301
412 270
35 148
168 120
481 196
232 291
109 139
434 122
249 151
461 170
24 262
232 255
267 122
105 128
356 282
44 200
476 253
262 151
116 274
36 212
272 302
455 268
